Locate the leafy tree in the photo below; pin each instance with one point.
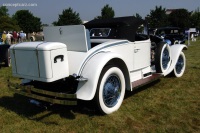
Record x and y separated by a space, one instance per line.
27 22
106 12
3 11
180 18
195 19
137 16
157 17
8 24
68 17
37 24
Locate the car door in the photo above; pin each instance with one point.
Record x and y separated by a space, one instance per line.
141 48
141 55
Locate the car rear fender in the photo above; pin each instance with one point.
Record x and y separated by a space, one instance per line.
86 89
175 52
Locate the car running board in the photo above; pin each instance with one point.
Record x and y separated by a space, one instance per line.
142 82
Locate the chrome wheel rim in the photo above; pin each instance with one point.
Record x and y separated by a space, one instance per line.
165 58
111 90
179 65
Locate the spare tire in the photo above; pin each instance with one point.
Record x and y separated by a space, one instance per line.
162 57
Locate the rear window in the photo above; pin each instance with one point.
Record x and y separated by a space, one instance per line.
100 32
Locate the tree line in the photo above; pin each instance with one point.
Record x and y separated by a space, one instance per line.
21 20
178 18
26 21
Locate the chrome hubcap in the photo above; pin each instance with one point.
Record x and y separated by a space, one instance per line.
179 65
111 90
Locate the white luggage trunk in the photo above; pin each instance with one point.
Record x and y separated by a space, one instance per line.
41 61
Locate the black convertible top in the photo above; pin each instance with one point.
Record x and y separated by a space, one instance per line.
113 22
124 27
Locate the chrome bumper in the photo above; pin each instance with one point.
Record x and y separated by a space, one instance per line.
43 95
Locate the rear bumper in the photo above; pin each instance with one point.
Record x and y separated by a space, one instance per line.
43 95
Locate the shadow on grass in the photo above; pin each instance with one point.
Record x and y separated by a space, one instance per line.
21 105
2 65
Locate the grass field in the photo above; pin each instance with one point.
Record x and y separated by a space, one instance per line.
167 105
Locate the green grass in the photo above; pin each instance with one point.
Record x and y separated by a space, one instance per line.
167 105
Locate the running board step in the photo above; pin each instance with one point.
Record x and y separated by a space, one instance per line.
147 80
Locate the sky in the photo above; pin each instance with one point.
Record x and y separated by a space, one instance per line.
49 10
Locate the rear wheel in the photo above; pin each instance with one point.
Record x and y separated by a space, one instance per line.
179 68
110 90
162 59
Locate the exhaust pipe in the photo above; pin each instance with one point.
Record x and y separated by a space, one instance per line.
37 103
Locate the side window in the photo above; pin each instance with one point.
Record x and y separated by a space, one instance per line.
176 32
141 33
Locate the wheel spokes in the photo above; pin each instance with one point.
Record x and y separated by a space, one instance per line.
179 65
111 91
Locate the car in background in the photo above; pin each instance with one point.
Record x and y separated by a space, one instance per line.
171 35
190 31
37 37
5 54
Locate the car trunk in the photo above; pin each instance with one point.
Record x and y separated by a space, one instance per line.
41 61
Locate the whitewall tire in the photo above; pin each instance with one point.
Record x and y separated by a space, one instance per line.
110 90
179 68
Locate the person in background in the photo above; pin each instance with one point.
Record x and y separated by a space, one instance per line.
4 37
193 37
18 37
15 37
8 38
22 36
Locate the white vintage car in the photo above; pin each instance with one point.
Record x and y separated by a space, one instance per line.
95 61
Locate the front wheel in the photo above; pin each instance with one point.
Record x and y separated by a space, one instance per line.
162 59
179 68
110 90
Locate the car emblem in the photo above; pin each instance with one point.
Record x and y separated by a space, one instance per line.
60 31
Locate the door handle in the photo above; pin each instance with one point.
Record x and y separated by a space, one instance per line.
57 57
136 50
